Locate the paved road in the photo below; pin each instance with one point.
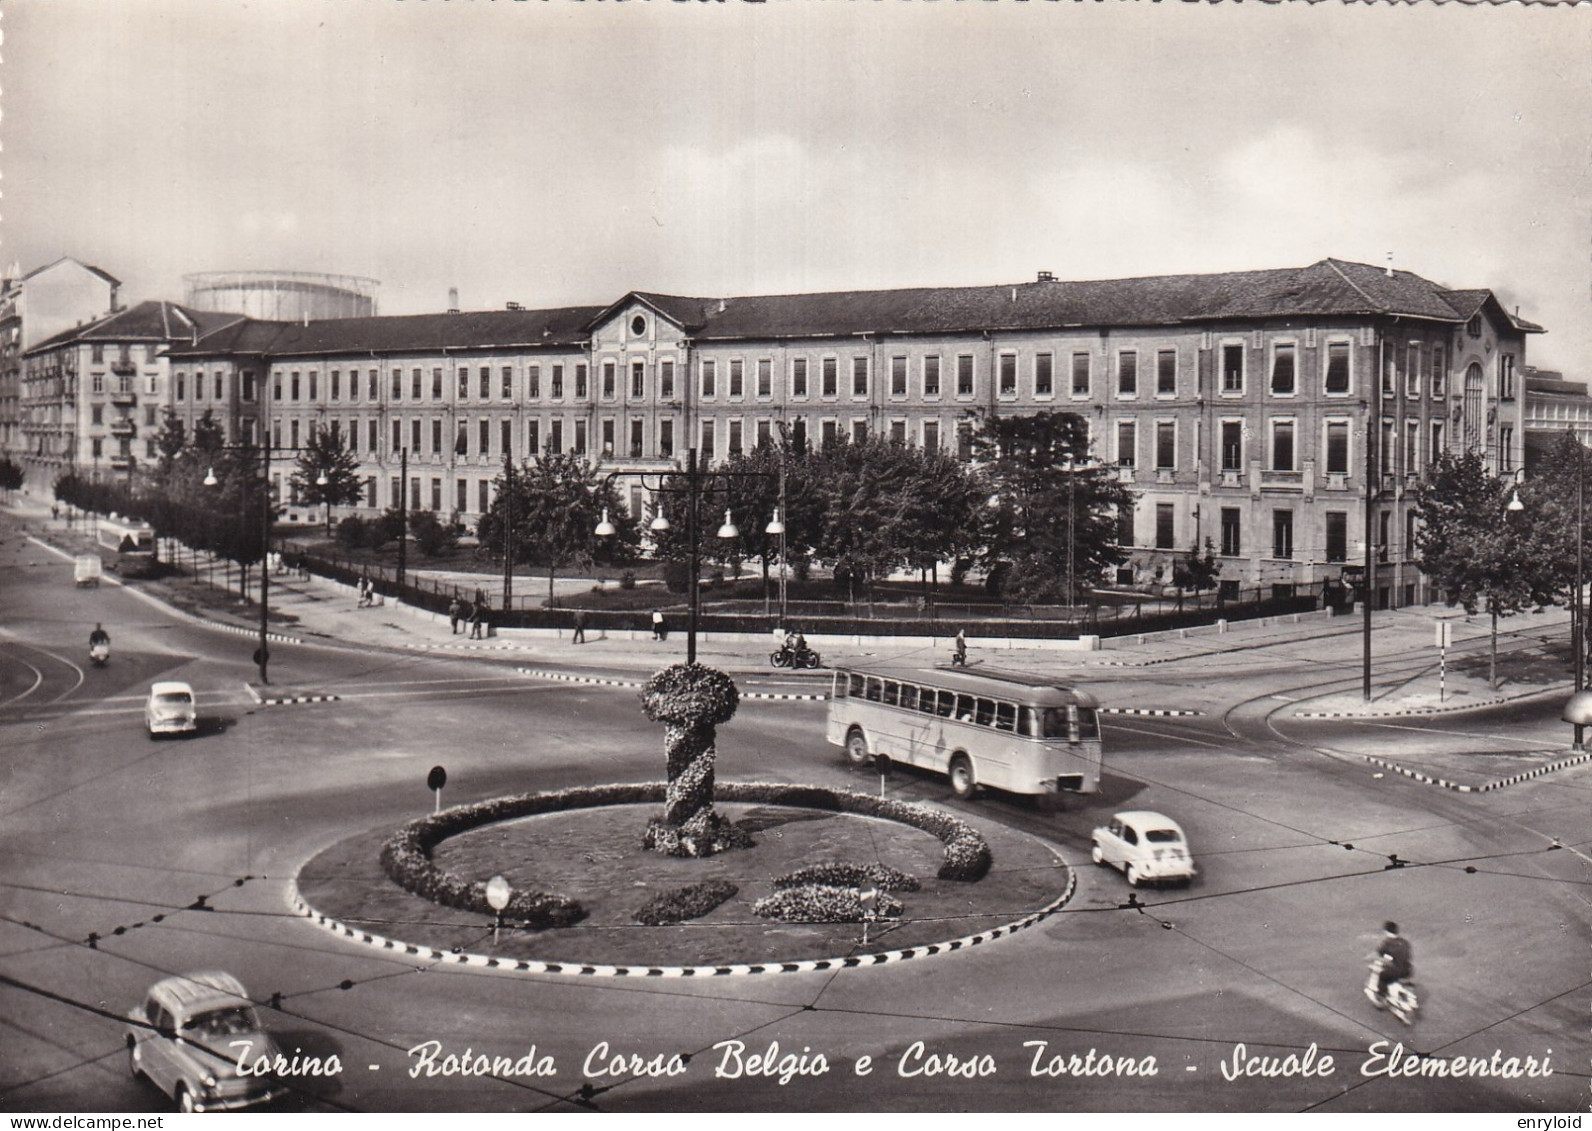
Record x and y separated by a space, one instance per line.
103 833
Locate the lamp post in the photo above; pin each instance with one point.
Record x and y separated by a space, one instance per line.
322 482
262 654
1072 502
695 476
1578 625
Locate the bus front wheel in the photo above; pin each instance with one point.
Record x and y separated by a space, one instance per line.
961 771
857 748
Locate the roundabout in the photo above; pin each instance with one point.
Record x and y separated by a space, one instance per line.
582 850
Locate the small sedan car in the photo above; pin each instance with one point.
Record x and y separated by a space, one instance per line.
171 709
189 1038
1146 846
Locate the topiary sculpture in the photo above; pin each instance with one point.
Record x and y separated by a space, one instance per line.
691 700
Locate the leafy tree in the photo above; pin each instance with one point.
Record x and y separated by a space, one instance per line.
1046 496
887 506
1482 554
1197 571
327 457
170 442
546 514
432 535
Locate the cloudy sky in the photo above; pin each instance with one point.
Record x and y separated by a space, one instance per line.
554 152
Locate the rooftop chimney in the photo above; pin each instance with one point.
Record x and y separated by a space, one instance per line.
453 300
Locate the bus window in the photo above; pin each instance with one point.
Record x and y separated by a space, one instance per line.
1088 723
945 707
892 693
909 696
856 684
1005 716
873 689
1028 722
1055 723
964 708
985 716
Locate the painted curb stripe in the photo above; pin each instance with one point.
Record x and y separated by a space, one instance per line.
1487 787
1158 712
303 910
566 678
283 700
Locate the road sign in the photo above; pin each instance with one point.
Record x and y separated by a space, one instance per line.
435 780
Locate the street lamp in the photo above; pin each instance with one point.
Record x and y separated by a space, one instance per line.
322 482
262 654
694 479
776 528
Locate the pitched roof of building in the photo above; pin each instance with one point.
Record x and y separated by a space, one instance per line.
1330 287
148 321
106 275
387 334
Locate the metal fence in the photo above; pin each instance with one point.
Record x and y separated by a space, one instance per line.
1111 614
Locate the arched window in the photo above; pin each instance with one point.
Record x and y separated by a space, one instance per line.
1475 394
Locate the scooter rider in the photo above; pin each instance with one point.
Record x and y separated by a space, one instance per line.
99 637
1396 957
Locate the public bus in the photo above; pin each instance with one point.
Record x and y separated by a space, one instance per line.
1006 730
132 542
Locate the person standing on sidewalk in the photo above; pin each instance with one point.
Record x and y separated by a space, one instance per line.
455 612
478 618
580 627
658 629
959 649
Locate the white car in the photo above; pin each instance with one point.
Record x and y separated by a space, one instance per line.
171 709
1146 846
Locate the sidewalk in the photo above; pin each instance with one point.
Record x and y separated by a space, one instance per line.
316 609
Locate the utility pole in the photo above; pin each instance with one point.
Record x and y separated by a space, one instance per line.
403 516
508 534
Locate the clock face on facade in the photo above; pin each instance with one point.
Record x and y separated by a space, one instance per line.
638 326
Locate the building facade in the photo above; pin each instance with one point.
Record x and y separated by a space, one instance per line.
92 397
36 306
1283 417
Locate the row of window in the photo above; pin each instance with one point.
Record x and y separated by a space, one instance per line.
1428 363
494 438
1283 452
1334 533
1073 723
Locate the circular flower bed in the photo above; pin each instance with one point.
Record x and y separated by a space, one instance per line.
406 856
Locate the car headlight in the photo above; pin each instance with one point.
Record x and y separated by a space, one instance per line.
208 1080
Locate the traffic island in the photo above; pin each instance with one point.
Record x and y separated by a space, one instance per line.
577 856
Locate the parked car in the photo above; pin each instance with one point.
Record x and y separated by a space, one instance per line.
188 1038
1146 846
170 709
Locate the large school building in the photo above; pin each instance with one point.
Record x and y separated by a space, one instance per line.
1283 416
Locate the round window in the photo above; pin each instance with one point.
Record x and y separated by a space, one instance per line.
638 325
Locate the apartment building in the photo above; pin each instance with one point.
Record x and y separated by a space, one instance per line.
1283 416
35 306
91 397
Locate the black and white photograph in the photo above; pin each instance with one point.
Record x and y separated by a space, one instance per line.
859 556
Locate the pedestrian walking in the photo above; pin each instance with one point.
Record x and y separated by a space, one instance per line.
580 626
455 614
659 630
477 619
959 653
364 592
